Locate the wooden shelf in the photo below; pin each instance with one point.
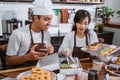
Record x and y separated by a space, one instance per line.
16 0
113 25
87 3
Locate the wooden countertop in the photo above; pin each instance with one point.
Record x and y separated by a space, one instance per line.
14 72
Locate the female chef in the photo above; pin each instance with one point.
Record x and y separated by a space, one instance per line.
80 36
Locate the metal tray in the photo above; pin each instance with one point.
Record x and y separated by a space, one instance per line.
103 58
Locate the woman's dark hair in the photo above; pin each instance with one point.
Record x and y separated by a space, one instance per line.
79 16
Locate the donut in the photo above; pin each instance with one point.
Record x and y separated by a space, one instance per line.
38 73
40 78
46 73
46 77
34 76
25 78
37 70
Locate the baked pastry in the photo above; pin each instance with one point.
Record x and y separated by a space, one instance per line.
114 79
34 76
106 51
118 61
37 70
64 64
94 46
103 53
25 78
38 73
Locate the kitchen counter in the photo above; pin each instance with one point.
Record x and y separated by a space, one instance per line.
14 72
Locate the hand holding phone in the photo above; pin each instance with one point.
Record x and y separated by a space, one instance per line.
41 48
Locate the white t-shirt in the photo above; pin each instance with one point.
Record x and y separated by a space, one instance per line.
20 40
68 41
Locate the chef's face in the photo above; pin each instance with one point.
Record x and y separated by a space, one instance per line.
83 25
44 22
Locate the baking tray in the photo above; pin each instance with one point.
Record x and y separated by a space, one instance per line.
99 56
96 52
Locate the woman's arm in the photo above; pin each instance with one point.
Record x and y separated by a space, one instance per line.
65 44
93 37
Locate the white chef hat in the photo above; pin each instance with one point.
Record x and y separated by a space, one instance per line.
42 7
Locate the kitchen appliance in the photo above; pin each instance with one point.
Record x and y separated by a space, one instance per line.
12 24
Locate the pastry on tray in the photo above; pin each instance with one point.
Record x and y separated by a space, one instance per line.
106 51
118 61
95 46
65 65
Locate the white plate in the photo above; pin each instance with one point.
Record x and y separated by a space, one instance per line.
27 73
114 78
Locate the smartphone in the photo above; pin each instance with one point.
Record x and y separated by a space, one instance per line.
44 50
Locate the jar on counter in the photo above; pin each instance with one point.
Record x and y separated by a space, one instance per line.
92 74
116 60
97 65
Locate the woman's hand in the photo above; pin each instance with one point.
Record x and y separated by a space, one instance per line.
33 55
67 52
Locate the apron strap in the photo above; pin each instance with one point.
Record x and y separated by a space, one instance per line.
75 39
42 36
32 41
31 35
86 39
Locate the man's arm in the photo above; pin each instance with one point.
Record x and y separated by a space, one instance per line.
31 56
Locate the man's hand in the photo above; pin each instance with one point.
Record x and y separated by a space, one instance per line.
33 55
50 49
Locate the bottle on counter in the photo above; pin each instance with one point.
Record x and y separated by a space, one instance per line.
30 13
92 74
116 60
71 16
57 11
